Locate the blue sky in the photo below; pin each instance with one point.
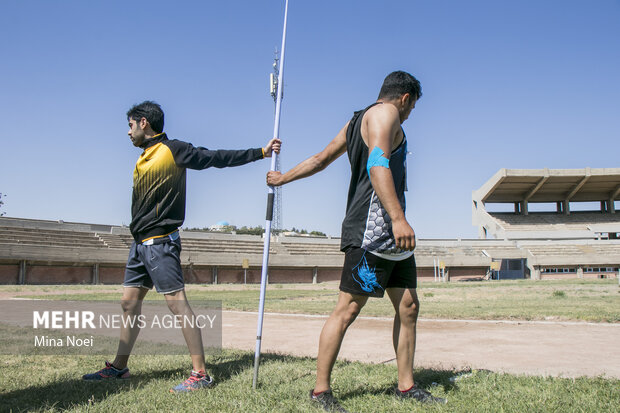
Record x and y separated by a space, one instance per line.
520 84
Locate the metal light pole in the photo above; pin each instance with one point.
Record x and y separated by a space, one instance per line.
270 199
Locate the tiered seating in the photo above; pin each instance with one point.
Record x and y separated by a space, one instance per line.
195 245
604 249
307 248
438 251
432 251
223 246
550 221
115 241
45 237
555 250
574 249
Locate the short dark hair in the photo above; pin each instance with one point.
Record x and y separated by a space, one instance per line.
398 83
149 110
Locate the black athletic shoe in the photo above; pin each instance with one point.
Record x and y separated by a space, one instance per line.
420 395
327 401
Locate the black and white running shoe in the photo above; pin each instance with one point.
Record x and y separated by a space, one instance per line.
327 401
420 395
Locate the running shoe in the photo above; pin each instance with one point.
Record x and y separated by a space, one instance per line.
420 395
196 381
327 401
109 372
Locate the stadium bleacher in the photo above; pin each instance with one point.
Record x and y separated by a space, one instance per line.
305 248
557 238
552 221
54 238
560 188
519 244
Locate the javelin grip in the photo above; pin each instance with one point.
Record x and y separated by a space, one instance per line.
270 198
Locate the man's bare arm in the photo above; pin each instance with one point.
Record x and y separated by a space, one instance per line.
382 128
314 164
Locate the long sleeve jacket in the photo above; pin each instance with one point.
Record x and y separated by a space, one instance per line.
158 201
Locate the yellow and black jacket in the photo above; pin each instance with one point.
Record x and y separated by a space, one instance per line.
158 203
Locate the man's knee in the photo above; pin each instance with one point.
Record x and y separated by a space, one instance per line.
177 302
178 306
348 313
411 309
131 305
132 299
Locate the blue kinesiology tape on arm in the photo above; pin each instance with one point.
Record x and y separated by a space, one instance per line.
376 159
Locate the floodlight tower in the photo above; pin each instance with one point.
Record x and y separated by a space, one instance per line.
273 90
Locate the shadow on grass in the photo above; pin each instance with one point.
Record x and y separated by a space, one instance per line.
65 394
424 378
75 392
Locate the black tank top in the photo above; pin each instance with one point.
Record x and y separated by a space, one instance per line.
367 224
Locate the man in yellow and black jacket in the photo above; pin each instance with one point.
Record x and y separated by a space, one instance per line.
158 203
157 211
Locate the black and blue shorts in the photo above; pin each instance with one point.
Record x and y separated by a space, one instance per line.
157 264
367 274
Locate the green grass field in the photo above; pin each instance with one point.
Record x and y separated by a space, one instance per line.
585 300
53 383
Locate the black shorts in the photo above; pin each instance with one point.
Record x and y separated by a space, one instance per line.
367 274
158 265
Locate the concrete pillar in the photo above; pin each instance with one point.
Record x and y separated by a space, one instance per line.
315 275
189 273
214 275
566 207
580 272
96 274
21 279
536 273
524 210
611 206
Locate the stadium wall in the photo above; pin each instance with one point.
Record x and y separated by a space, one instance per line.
48 252
9 273
44 273
49 274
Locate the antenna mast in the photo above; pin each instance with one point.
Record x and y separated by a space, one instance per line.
273 89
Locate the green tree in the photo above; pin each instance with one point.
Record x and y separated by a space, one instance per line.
250 230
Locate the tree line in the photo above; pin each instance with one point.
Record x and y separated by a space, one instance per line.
258 230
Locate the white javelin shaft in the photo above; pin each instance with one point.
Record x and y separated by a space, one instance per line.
270 201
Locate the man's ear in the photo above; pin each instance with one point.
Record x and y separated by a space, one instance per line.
143 123
405 100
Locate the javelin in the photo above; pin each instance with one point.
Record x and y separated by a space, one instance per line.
270 197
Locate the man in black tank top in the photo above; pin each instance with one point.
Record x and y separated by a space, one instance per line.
377 239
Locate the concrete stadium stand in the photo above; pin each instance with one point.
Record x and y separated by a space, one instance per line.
56 252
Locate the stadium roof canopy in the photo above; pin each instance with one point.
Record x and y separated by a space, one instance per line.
550 185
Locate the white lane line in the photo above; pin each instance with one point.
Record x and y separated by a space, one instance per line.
440 320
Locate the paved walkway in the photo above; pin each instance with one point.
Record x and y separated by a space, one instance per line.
566 349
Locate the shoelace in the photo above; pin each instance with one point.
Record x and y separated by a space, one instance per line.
193 379
108 369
